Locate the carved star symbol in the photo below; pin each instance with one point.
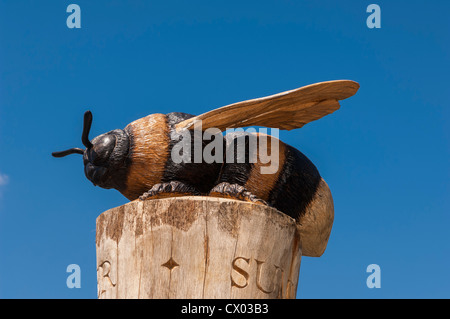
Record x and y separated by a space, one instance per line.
171 264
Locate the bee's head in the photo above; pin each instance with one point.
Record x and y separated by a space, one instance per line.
104 157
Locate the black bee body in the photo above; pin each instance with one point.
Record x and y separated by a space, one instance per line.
289 190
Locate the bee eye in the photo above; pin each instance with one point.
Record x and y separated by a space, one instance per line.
92 156
103 146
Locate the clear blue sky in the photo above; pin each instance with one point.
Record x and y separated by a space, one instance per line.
385 153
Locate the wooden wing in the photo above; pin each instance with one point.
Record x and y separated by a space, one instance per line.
287 110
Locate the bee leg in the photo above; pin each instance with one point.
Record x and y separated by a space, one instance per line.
170 189
235 191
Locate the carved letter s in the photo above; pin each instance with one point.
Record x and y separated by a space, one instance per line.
240 271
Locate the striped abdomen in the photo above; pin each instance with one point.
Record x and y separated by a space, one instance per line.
294 188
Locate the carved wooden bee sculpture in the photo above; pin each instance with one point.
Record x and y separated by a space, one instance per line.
138 161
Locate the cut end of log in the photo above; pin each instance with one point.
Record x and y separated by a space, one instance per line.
197 247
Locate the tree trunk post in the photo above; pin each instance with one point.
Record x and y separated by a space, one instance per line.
196 247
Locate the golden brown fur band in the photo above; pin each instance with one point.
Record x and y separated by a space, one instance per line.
149 152
261 184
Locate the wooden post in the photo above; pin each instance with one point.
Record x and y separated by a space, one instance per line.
196 247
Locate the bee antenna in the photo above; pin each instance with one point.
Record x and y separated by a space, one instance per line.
86 128
74 150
